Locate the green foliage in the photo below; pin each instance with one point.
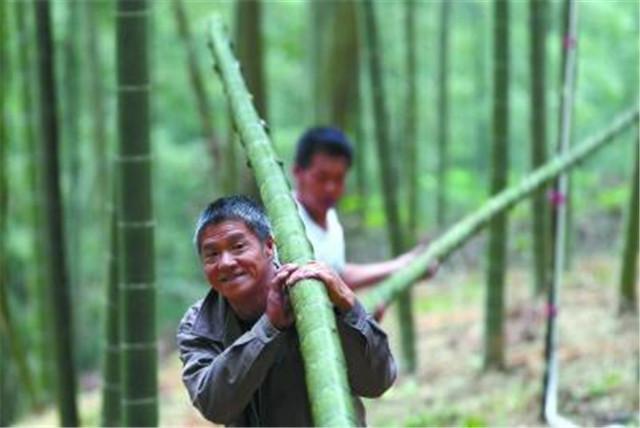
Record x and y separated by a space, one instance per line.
607 81
603 386
470 292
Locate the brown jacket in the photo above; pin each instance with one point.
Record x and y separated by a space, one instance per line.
256 378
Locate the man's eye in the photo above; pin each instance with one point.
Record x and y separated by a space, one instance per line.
239 246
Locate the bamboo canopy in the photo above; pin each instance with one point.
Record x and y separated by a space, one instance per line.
466 228
325 368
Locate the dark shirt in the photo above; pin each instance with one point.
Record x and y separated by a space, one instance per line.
256 377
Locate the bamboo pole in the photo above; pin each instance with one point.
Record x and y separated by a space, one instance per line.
198 88
325 368
388 177
469 226
7 326
54 238
561 219
629 268
136 225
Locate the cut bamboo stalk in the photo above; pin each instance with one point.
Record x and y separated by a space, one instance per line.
325 369
387 290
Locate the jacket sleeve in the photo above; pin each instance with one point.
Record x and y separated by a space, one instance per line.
370 365
221 382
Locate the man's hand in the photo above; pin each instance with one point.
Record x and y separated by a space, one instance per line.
339 293
278 305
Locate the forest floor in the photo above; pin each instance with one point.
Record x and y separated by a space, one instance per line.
598 358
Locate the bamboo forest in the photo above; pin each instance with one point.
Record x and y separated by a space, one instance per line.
493 184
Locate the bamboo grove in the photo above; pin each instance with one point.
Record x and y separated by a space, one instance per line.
121 119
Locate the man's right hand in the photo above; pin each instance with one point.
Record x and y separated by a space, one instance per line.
278 306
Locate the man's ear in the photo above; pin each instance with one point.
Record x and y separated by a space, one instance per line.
269 246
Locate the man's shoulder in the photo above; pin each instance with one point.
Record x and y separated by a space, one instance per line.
201 316
189 317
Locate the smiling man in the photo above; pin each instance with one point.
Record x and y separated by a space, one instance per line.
240 352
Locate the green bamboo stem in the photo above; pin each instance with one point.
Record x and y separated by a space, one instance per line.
315 321
443 113
138 348
7 327
465 229
538 147
388 178
411 120
112 383
497 257
561 220
54 239
629 268
198 88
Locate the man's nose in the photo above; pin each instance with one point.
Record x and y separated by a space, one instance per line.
226 259
330 186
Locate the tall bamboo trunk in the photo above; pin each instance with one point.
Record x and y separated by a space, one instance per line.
135 219
559 212
411 119
8 328
338 76
37 274
538 129
498 230
55 237
96 91
111 368
389 289
321 15
249 48
326 381
71 143
443 113
479 20
629 268
388 178
360 161
200 94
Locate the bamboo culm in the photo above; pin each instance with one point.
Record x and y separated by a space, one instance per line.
387 290
497 242
388 178
59 294
629 268
325 368
136 271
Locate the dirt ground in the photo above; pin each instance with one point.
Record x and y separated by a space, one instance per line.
599 366
598 355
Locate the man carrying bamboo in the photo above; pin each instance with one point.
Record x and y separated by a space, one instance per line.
242 364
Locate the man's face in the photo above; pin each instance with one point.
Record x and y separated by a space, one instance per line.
320 185
237 264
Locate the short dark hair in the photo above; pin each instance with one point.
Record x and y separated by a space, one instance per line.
237 207
322 139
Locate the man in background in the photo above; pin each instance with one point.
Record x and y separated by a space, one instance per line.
322 161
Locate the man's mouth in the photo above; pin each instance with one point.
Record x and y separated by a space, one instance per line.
230 277
329 202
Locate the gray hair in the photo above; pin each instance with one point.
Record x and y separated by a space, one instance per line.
235 207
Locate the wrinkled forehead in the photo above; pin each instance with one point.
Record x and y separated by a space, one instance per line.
225 231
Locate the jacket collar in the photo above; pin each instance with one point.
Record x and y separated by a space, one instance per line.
216 320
